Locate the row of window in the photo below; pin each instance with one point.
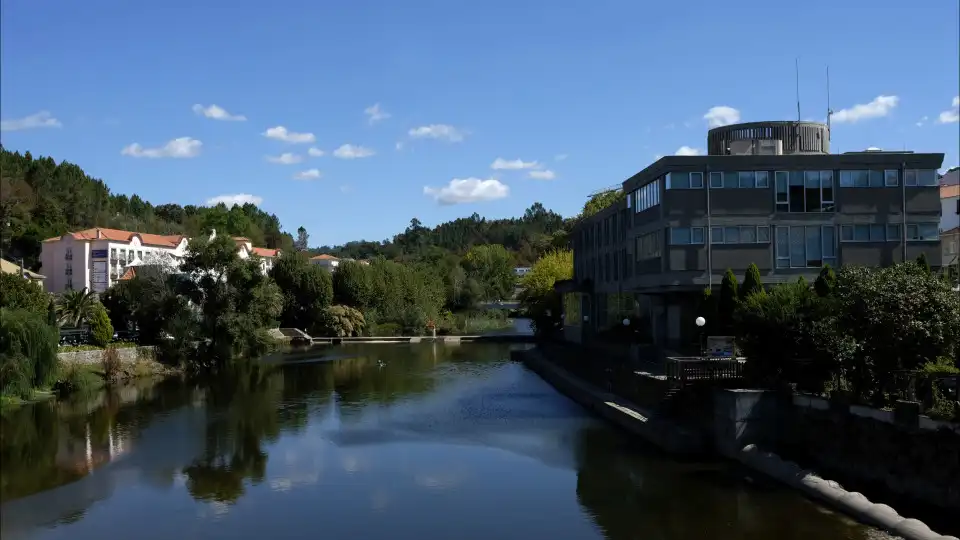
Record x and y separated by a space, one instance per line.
759 234
761 179
890 232
809 246
888 178
646 197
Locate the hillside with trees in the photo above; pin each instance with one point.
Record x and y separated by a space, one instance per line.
40 198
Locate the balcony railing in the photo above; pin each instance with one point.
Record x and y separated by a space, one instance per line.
68 256
689 370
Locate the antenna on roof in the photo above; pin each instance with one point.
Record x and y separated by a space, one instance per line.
797 66
829 110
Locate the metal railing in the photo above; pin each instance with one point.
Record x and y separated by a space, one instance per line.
689 370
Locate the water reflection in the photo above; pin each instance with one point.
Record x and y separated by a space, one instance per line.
375 441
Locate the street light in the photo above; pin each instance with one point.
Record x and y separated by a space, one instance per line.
701 322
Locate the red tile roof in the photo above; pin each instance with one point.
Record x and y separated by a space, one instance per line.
950 191
324 257
129 274
265 252
117 235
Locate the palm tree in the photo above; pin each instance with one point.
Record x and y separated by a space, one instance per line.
75 307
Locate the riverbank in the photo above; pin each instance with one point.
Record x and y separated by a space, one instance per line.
83 370
741 418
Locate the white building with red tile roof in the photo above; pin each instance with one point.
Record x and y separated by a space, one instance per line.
99 257
326 261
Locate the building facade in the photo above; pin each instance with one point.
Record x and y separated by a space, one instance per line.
97 258
768 194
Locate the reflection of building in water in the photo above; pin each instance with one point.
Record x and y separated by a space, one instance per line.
83 454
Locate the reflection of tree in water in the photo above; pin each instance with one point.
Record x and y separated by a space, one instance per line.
28 448
243 406
633 495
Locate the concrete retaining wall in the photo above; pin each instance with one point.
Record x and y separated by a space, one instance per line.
626 415
128 355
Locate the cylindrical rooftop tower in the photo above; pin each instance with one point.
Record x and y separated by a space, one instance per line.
769 138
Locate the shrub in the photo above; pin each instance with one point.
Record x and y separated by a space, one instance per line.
111 364
727 304
922 263
75 378
387 329
16 292
101 330
28 351
825 282
751 282
343 321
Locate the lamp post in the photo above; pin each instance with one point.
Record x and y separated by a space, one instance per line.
701 322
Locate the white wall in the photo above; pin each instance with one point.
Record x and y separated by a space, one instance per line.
948 214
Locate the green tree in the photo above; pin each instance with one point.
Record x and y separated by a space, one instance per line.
825 282
16 292
492 267
728 301
75 307
101 331
342 321
599 201
119 303
538 297
28 351
307 290
922 262
751 282
901 317
236 302
353 284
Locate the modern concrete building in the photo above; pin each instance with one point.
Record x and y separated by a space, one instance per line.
768 193
97 258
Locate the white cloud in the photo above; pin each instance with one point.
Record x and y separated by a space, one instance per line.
399 145
687 151
542 175
231 200
874 149
879 107
215 112
468 190
183 147
349 151
42 119
922 121
316 152
309 174
280 133
375 113
951 116
721 115
285 158
501 164
437 131
559 157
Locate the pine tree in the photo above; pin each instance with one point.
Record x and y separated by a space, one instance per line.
825 282
727 306
751 282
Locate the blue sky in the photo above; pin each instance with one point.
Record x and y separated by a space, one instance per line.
583 93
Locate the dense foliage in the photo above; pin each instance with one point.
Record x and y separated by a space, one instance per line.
19 293
870 333
28 351
538 298
40 198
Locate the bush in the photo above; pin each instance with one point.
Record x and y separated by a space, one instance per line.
16 292
387 329
111 364
729 299
28 351
751 282
101 330
342 321
75 378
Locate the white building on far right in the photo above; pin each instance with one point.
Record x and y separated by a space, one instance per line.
950 217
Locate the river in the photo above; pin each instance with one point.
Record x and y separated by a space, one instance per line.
370 442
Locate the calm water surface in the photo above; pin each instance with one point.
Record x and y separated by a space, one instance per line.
370 441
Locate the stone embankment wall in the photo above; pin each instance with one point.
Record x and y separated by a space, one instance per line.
907 454
128 355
